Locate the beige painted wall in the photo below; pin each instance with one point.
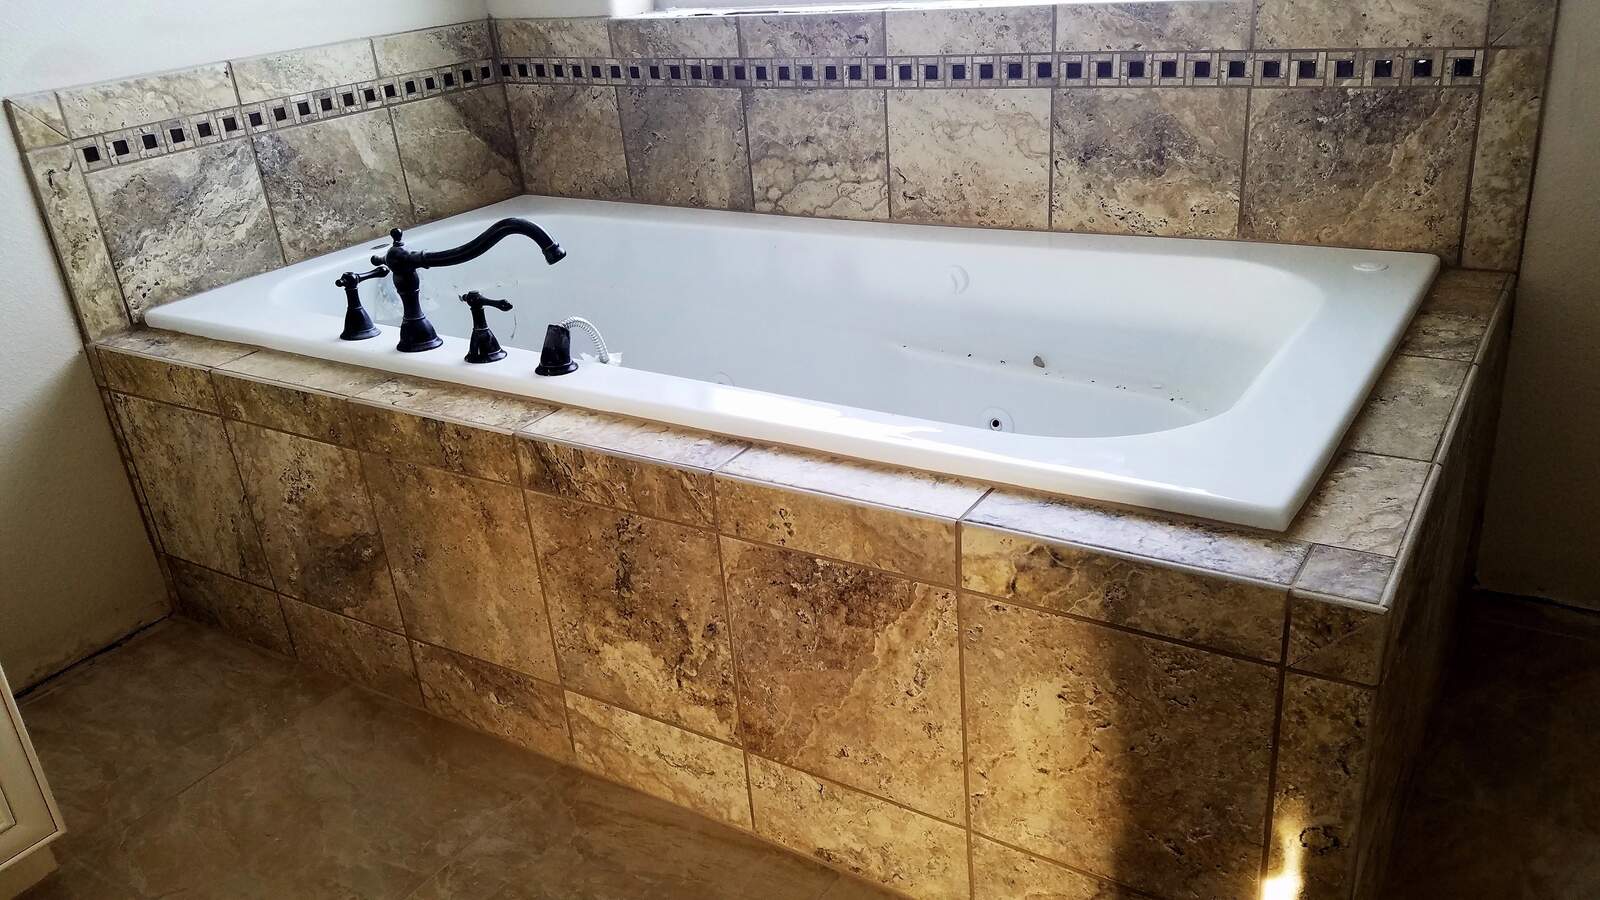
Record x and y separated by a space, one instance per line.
76 572
1542 527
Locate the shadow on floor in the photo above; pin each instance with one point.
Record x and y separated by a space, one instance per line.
189 764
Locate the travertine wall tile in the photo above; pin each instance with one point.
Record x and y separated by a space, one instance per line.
569 139
821 34
1370 23
153 378
432 47
237 607
1002 873
80 246
302 71
945 496
1455 315
819 153
1502 174
371 656
1237 616
457 151
299 394
1406 412
149 98
675 765
637 608
1019 29
178 347
1521 23
1348 574
1162 750
686 146
712 36
579 37
510 705
849 673
875 840
36 120
459 403
970 157
1364 502
1208 25
1339 640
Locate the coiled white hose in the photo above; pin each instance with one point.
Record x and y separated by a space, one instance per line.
600 351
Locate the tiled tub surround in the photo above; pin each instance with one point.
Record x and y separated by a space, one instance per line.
949 689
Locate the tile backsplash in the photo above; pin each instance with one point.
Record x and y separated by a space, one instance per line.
1369 124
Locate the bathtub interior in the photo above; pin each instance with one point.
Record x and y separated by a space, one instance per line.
1013 335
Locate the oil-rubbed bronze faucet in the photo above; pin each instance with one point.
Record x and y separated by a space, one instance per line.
416 332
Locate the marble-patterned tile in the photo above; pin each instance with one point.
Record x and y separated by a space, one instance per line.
1359 167
1002 873
1454 315
459 403
636 606
1370 23
571 37
195 495
1163 750
36 120
800 36
945 496
863 835
631 464
301 71
148 98
1363 502
660 760
1346 574
970 157
686 146
569 139
1316 804
431 48
1502 175
237 607
299 394
448 426
1338 640
1207 25
1149 161
369 656
157 378
925 32
177 347
317 524
180 224
333 183
510 705
457 151
80 246
848 672
1221 548
710 36
1406 412
1237 616
912 544
819 153
463 564
1521 23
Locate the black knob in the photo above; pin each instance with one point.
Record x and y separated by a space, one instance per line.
556 357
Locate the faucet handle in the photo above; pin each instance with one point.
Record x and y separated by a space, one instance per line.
482 347
478 301
350 279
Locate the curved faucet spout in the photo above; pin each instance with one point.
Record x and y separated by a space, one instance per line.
492 235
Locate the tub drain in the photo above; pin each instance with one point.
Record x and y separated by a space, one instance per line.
997 419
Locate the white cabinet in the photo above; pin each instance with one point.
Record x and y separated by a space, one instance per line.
28 816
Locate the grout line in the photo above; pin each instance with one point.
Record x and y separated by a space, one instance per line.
966 749
544 599
388 566
733 664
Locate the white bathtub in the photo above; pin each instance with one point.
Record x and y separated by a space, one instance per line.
1201 377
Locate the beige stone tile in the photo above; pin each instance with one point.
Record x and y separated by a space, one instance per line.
1455 315
872 839
970 157
1502 175
463 564
450 426
716 36
1001 873
1408 409
1316 804
819 153
431 48
237 607
459 403
195 496
638 613
317 524
944 496
1209 25
333 183
849 673
630 464
1163 750
573 37
369 656
1222 548
1370 23
80 246
157 378
148 98
457 151
1347 574
925 32
1148 161
36 120
1338 640
660 760
569 138
1363 502
1521 23
177 347
181 224
827 34
510 705
301 71
686 146
1237 616
298 394
1359 167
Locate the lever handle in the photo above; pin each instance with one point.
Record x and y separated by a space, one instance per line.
478 301
351 279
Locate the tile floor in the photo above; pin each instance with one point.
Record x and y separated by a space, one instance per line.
192 765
